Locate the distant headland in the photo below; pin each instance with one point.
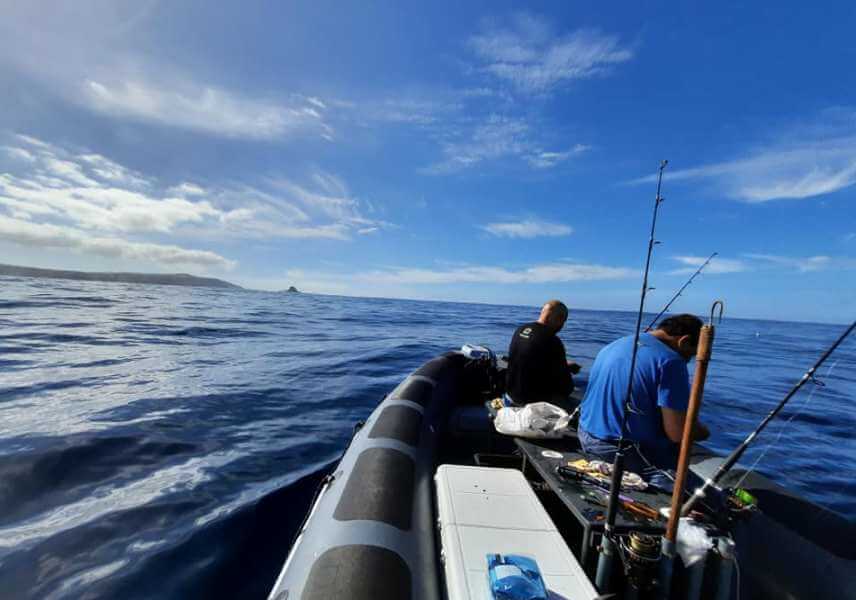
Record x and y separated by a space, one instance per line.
146 278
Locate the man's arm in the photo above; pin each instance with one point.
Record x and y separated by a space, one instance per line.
561 374
673 425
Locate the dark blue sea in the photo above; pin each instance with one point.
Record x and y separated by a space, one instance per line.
160 441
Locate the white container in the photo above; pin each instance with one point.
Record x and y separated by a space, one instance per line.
485 511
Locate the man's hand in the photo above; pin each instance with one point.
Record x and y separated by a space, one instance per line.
673 425
573 367
701 432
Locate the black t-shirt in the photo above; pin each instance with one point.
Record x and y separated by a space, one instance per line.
537 366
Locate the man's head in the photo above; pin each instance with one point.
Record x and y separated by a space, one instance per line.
681 332
553 315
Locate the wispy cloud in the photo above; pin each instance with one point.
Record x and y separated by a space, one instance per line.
806 162
805 264
62 197
529 54
78 53
498 137
545 273
18 153
546 160
206 109
528 228
750 261
405 280
44 235
717 266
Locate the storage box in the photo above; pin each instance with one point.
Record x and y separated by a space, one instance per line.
485 511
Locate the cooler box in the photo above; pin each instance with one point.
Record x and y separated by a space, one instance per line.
485 510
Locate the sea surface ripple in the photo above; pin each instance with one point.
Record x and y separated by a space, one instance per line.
160 441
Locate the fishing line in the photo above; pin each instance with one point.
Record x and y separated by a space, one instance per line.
784 426
737 572
680 291
738 452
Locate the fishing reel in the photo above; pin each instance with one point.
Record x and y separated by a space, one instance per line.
640 555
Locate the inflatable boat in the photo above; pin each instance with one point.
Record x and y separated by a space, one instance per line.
427 492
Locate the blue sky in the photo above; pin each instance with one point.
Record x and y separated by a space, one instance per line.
457 151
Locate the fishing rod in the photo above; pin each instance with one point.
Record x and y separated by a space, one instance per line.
683 287
609 544
738 452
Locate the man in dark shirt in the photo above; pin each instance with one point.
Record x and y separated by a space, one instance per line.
538 370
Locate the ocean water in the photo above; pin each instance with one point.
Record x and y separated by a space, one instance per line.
165 442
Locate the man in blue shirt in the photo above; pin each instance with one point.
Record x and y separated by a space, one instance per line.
660 396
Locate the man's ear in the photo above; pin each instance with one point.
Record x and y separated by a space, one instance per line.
685 344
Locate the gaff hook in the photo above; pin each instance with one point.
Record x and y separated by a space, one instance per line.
721 305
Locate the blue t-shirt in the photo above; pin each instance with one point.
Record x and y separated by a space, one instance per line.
661 379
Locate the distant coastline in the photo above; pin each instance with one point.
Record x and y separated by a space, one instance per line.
182 279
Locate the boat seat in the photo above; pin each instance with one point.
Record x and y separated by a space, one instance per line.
484 511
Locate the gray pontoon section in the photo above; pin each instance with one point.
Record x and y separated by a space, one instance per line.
371 533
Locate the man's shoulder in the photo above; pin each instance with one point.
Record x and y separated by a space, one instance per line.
622 345
528 329
659 351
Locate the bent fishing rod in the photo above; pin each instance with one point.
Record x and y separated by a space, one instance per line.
680 291
738 452
609 545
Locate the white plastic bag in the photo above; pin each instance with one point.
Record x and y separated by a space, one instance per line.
537 420
693 541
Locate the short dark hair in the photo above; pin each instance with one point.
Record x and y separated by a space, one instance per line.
680 325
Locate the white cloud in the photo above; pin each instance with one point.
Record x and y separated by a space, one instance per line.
546 160
544 273
750 261
529 228
497 137
805 264
19 153
528 54
43 235
31 141
432 108
205 109
59 195
111 171
806 162
329 197
717 265
397 281
186 189
76 198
